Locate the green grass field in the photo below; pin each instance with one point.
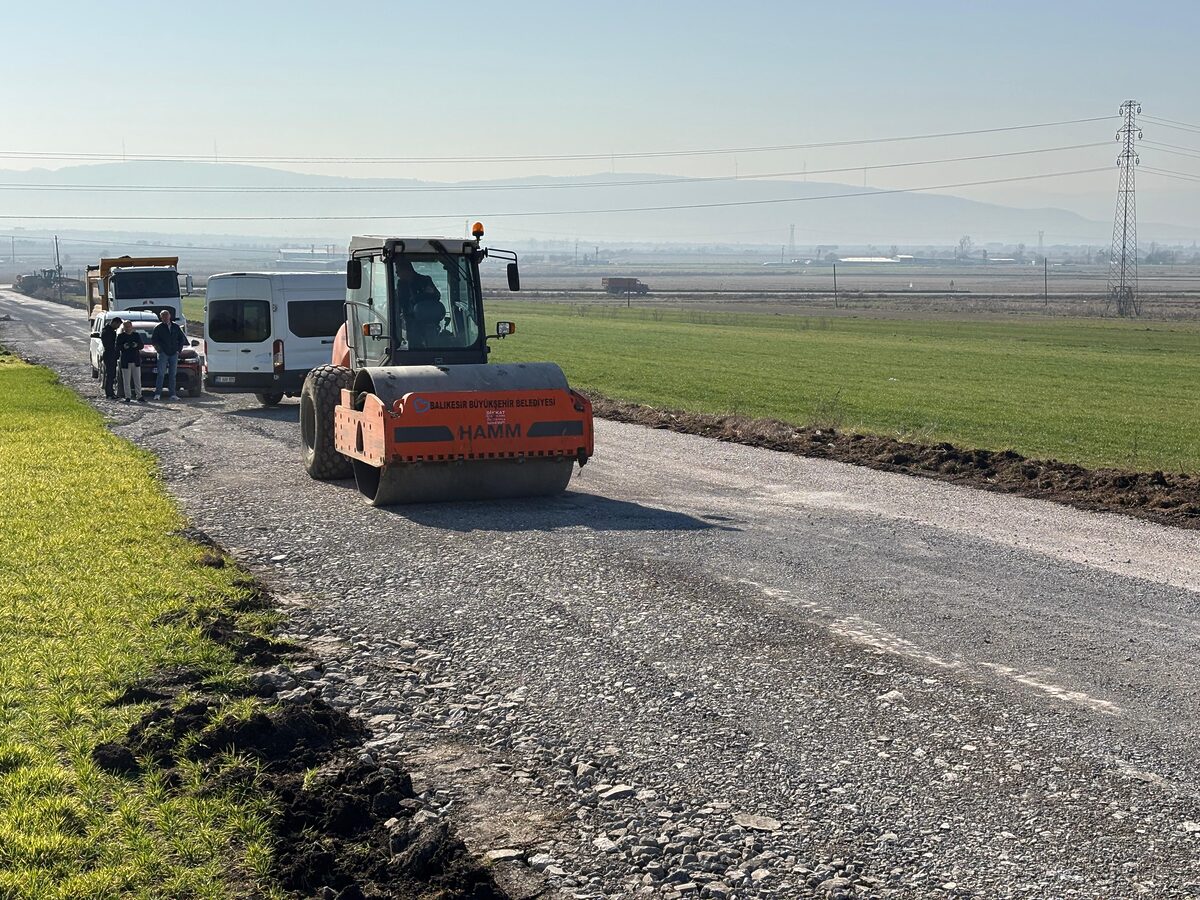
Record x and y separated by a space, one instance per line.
88 563
193 308
1094 392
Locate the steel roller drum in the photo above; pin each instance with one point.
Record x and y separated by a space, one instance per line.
493 479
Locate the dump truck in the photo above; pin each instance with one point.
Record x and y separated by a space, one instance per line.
148 283
409 405
624 286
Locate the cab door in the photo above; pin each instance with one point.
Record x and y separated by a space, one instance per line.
238 330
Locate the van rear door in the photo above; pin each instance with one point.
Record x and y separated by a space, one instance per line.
238 331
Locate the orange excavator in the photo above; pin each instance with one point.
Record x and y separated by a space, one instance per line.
409 405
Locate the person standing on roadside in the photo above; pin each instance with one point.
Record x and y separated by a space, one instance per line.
108 340
129 346
168 339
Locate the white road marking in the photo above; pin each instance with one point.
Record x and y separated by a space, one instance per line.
871 634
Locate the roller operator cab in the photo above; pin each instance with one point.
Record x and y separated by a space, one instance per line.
409 405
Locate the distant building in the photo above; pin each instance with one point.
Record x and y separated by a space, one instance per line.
311 259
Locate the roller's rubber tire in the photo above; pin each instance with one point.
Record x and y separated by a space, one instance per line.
318 399
271 399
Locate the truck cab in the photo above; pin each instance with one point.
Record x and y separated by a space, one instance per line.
146 284
145 288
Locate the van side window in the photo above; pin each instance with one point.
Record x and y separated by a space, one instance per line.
315 318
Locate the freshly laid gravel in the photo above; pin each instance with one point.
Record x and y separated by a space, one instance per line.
714 671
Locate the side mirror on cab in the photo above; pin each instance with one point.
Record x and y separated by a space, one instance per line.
514 277
353 274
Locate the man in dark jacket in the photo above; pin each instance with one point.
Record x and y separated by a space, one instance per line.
168 339
420 306
129 346
108 340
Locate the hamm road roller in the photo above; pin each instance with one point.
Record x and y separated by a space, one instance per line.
409 405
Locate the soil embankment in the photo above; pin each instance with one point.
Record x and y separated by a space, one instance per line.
347 826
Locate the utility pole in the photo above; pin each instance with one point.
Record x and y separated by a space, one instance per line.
835 297
792 241
1122 261
1045 282
58 269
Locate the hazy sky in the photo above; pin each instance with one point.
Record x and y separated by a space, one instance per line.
423 79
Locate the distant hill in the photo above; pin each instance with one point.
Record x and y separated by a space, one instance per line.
822 212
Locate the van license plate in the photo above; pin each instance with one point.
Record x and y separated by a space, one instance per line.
224 379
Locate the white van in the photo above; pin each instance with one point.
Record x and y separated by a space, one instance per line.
266 330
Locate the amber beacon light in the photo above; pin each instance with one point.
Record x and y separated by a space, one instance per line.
477 230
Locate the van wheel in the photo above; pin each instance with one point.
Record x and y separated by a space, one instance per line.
197 390
319 398
269 399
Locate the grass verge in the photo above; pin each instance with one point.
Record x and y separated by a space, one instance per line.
94 579
1099 393
193 308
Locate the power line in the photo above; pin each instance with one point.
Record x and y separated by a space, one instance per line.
1182 176
1172 146
454 188
711 151
1163 148
566 212
1171 123
116 242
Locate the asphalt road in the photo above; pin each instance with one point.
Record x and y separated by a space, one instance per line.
932 691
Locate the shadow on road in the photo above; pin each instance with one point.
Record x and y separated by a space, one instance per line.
549 513
568 510
288 413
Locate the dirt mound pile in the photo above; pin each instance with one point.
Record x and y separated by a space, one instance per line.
1157 496
355 830
347 827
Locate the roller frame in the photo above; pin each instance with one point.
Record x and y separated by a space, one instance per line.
460 445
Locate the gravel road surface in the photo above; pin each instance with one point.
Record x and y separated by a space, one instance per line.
716 671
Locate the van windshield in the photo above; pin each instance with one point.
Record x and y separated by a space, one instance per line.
145 285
